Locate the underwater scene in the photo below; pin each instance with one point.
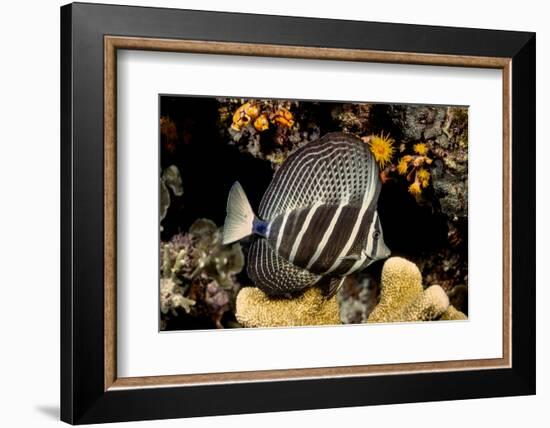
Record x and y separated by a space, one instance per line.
283 213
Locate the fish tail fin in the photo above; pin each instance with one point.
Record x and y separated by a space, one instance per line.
239 220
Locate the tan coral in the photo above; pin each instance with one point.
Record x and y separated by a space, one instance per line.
257 309
453 314
403 298
429 305
401 282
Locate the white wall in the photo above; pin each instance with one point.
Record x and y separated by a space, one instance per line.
29 232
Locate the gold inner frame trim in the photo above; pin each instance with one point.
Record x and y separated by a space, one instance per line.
113 43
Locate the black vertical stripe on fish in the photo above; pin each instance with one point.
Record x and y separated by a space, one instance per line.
333 248
357 252
274 229
313 235
360 243
290 232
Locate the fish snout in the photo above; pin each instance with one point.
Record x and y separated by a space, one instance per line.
383 252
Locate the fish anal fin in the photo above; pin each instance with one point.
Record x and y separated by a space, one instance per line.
275 275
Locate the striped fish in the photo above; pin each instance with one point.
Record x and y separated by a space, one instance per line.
317 220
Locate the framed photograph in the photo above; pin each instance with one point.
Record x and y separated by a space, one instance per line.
291 213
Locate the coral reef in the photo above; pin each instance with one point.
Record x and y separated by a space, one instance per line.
172 297
433 163
357 298
448 268
354 118
458 297
198 274
170 179
444 133
266 129
402 297
422 152
453 314
257 309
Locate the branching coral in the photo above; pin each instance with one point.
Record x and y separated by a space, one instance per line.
402 297
257 309
172 298
198 273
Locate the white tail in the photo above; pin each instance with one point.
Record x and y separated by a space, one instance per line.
240 217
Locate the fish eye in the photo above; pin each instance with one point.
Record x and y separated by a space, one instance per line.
376 235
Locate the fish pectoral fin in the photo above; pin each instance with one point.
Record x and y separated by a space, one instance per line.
330 285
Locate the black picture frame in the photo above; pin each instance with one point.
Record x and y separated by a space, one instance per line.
83 396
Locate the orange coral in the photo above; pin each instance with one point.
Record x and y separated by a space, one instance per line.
261 123
244 115
283 117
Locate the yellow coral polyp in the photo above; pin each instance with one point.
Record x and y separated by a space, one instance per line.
415 188
421 148
283 117
261 123
423 175
402 166
382 148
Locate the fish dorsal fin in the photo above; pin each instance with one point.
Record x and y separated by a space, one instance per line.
338 167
